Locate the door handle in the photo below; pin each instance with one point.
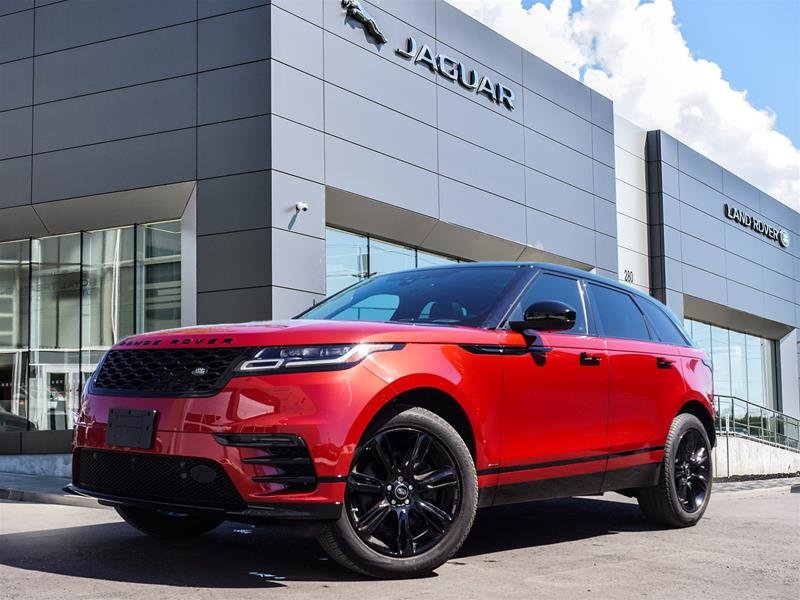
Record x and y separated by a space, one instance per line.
663 363
589 360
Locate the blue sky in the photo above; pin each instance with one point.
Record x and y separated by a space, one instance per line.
755 42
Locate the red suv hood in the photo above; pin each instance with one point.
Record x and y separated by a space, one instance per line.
302 331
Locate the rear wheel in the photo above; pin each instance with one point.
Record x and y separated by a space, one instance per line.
166 524
410 499
684 485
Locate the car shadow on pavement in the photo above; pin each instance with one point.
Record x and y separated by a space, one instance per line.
241 556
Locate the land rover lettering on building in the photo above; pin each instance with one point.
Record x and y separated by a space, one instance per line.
385 416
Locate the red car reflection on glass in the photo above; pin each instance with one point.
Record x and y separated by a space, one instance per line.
389 413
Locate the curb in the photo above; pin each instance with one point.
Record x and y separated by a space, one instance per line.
48 498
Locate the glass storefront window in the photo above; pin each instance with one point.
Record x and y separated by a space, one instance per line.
351 257
744 364
65 299
158 257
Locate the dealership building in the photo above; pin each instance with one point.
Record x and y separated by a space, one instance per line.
209 161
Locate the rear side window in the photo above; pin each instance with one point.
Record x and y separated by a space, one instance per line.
619 315
553 287
665 328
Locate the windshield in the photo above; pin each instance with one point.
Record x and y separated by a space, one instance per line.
440 296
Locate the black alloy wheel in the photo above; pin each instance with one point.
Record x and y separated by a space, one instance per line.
409 499
692 471
685 476
403 492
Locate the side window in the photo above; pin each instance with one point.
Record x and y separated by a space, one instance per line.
619 315
553 287
665 328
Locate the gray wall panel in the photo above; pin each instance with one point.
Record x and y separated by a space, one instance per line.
421 15
15 133
16 84
233 38
233 147
361 171
603 146
700 195
249 304
234 203
209 8
371 76
559 199
112 166
305 102
310 10
374 126
15 182
233 260
547 81
12 6
602 111
464 205
130 60
16 36
699 167
296 42
287 191
304 250
605 217
559 124
233 92
470 121
670 181
481 168
606 253
560 237
117 114
739 190
703 284
77 22
475 39
297 150
702 226
556 160
604 183
701 254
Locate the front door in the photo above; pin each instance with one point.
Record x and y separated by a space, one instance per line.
555 402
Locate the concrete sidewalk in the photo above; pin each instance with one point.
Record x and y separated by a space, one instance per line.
38 488
49 490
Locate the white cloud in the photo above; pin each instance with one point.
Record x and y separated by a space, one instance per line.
635 54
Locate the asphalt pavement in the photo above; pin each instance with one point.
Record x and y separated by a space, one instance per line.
747 546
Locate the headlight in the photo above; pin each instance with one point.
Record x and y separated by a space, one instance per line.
310 358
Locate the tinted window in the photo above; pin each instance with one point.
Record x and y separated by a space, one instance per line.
440 296
553 287
618 314
665 328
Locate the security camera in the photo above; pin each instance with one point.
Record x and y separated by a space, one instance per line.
301 207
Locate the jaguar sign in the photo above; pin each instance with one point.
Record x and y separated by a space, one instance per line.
442 64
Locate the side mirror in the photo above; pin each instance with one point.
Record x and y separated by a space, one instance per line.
548 315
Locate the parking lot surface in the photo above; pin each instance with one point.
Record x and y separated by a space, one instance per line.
746 546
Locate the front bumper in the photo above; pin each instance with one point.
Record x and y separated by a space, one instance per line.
248 513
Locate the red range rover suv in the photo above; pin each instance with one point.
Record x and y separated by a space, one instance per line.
386 415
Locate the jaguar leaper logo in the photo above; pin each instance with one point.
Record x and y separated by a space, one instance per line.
356 12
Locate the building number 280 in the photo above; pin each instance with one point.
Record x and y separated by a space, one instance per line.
628 276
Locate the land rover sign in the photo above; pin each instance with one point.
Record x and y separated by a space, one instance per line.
746 220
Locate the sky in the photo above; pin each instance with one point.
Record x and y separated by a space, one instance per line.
722 76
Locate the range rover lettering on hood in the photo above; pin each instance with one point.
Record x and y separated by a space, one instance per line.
179 341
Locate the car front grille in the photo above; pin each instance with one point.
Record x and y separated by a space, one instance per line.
167 372
157 478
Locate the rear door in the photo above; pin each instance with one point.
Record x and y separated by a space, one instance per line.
645 383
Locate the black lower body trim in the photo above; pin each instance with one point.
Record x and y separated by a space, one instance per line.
586 484
306 511
565 462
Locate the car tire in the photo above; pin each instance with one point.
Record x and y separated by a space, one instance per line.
166 525
684 485
417 532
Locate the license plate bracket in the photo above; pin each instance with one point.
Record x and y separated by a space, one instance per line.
131 428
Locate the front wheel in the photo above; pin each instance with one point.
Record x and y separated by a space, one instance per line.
166 524
410 499
684 484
